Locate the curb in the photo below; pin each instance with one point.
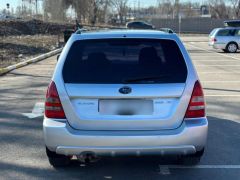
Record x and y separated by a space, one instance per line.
30 61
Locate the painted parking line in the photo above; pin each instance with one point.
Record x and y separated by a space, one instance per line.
37 111
166 169
223 65
222 95
218 72
209 60
220 81
196 42
224 55
204 167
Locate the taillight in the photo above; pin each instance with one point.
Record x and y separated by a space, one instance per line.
196 107
214 40
53 106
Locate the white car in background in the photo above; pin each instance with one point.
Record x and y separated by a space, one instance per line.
226 39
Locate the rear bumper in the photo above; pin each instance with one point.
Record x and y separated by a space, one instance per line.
187 139
218 45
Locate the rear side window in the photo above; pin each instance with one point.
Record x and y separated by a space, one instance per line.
226 32
212 32
117 61
237 33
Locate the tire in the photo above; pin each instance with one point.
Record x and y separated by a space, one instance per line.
57 160
225 50
232 47
192 159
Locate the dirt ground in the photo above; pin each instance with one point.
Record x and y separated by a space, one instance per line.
21 40
14 49
31 27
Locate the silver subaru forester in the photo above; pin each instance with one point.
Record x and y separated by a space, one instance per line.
124 92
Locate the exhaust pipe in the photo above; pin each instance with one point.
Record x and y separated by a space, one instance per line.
87 157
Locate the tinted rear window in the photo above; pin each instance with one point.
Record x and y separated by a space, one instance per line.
116 61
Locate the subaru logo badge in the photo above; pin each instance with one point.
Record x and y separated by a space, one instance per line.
125 90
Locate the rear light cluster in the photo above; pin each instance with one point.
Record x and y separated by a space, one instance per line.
196 107
53 106
214 40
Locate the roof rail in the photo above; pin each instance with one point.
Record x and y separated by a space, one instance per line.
80 30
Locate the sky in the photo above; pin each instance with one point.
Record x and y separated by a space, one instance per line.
143 3
13 3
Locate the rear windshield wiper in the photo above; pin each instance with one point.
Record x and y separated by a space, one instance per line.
146 78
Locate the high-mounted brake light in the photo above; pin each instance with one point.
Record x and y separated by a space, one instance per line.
53 106
196 107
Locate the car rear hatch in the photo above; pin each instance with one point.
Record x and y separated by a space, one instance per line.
124 84
211 37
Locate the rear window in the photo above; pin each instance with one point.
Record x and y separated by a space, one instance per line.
119 61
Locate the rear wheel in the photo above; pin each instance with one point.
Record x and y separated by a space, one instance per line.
232 47
57 160
192 159
225 50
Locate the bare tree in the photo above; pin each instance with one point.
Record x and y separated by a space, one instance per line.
218 9
236 8
121 7
55 10
176 9
188 9
98 10
87 11
166 7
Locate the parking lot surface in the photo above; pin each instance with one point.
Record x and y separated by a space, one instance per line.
22 151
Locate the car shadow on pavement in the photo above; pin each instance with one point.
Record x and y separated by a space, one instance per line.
222 149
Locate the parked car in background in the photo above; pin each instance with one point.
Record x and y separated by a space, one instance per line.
124 92
232 23
139 25
226 39
167 30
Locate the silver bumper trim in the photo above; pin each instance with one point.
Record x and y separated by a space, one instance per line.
138 151
190 137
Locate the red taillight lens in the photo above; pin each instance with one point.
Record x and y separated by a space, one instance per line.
196 107
53 106
214 40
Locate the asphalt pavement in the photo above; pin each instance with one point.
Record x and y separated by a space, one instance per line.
22 151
